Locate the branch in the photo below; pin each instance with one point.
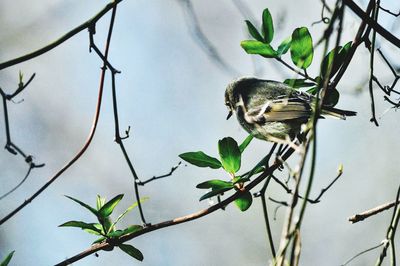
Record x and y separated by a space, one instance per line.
173 169
366 214
60 40
376 26
179 220
90 136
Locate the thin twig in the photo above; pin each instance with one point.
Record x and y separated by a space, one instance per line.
361 253
366 214
371 22
104 245
92 130
62 39
173 169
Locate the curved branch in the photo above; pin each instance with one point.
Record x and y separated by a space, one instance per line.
179 220
376 26
60 40
90 136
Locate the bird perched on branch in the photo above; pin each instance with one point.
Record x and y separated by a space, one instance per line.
271 110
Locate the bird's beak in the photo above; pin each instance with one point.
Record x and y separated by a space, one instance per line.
229 114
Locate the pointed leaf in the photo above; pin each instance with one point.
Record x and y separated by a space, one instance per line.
313 90
81 225
129 230
214 192
132 251
245 143
92 210
301 48
298 83
7 259
335 63
214 184
253 31
260 48
267 26
230 155
284 46
108 208
201 159
134 205
244 201
98 226
100 202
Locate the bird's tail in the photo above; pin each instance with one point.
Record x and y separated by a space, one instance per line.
338 113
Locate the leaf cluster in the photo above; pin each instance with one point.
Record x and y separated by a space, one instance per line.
230 156
105 227
300 45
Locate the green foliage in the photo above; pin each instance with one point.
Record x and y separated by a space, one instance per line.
108 208
245 143
244 201
105 227
301 48
253 31
230 154
334 60
267 26
284 47
131 251
298 83
260 48
7 259
201 159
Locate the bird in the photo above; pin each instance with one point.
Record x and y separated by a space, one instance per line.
271 110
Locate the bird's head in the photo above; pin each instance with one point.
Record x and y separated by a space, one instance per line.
234 90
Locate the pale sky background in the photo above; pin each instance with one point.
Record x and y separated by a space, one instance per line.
171 94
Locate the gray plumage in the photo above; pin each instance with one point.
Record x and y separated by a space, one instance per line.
272 110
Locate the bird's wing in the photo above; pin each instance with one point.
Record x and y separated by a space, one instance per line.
279 110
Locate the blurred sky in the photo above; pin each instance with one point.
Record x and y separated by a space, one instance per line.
171 94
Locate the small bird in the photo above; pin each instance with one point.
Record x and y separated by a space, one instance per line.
272 110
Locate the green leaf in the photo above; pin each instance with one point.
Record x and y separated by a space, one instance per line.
284 46
98 226
134 205
313 90
129 230
298 83
108 208
132 251
331 97
201 159
214 192
253 31
92 210
260 48
267 26
230 155
82 225
7 259
301 48
334 63
244 201
100 202
215 184
245 143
